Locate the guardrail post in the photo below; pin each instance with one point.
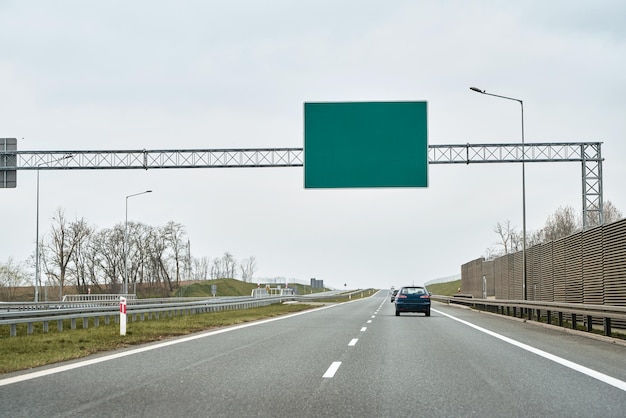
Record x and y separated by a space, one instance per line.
73 323
573 321
589 323
607 326
45 326
29 328
60 325
560 319
549 317
13 330
85 322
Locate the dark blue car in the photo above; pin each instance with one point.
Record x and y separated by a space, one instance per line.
413 299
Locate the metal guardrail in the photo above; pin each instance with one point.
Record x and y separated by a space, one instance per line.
80 310
68 303
98 297
29 313
550 312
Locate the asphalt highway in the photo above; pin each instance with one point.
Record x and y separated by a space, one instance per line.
355 359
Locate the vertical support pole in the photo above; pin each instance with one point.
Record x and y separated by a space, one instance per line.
593 205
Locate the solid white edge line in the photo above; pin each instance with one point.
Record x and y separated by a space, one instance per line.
620 384
332 369
78 364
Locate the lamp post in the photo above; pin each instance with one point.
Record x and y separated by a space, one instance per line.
126 241
37 271
524 276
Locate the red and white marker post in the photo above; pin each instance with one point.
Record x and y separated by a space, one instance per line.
122 315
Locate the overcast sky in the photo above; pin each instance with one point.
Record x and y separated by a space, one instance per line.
124 75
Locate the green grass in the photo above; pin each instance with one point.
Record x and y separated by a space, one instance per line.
445 289
27 351
225 287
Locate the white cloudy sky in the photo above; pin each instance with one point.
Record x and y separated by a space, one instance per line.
124 75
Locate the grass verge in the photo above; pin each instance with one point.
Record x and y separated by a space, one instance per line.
445 289
28 351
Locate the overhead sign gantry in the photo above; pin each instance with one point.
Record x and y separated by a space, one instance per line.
588 154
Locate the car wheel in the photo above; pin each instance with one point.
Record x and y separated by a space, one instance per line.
397 313
428 312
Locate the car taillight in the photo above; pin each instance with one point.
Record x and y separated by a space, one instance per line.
425 297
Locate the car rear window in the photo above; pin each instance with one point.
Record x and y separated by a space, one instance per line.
413 291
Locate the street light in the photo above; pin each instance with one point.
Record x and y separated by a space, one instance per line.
37 272
524 278
126 241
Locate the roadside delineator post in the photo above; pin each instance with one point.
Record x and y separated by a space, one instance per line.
122 315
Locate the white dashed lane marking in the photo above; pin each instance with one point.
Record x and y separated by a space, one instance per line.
332 369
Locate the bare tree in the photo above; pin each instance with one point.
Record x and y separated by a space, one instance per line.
108 256
76 253
139 247
229 265
60 246
174 235
247 266
561 224
201 268
224 267
536 238
157 256
506 233
611 213
12 276
79 265
215 269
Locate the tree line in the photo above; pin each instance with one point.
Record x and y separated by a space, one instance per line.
75 253
563 222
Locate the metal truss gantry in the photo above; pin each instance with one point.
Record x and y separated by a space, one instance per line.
587 153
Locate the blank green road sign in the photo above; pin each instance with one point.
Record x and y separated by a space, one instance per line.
365 144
